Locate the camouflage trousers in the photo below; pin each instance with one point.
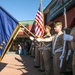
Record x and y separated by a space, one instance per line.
48 62
37 57
56 63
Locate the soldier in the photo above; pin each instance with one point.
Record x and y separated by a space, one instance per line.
41 60
37 52
37 55
73 49
67 66
32 49
47 53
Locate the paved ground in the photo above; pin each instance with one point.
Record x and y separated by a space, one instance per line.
13 64
18 65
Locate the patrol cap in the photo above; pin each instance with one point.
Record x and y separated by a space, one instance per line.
48 27
58 24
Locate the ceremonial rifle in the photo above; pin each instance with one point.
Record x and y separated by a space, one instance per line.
63 52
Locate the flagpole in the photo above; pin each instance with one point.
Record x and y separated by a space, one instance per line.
42 10
41 4
27 30
31 34
37 43
30 31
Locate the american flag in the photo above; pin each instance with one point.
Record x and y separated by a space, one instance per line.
39 24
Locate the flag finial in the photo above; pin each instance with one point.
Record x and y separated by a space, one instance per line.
41 1
64 10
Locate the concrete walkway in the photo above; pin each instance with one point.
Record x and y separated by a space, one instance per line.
13 64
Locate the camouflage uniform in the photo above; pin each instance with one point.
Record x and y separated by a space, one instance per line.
56 61
41 61
73 49
47 56
37 55
32 49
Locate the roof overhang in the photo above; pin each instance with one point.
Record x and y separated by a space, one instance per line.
46 10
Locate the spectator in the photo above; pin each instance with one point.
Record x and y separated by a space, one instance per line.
25 48
19 49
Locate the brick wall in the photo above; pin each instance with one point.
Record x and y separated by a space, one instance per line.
70 16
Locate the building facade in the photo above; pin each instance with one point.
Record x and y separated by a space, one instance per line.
55 12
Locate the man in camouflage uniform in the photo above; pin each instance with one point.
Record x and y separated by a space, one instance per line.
45 53
37 52
32 49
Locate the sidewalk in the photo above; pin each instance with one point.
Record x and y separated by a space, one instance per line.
13 64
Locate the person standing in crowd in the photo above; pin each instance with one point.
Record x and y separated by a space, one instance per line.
20 49
28 47
25 48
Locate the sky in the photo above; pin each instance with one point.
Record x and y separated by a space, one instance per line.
23 9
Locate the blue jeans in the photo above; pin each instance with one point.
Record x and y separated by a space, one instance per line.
20 51
25 51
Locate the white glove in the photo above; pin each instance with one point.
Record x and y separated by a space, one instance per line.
69 53
61 57
67 37
31 38
39 39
